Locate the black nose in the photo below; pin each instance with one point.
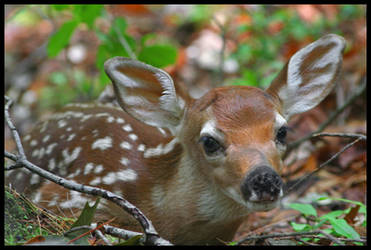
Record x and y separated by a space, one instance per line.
262 184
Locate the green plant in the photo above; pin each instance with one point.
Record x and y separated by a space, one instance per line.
266 36
76 84
116 42
333 223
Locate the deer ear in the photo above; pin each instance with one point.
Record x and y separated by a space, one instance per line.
145 92
309 76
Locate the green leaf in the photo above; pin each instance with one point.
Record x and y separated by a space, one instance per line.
61 38
87 215
121 24
250 77
332 214
147 37
133 241
158 55
88 13
60 7
305 209
343 228
299 227
362 206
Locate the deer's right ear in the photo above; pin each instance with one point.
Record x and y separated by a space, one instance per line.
145 92
309 76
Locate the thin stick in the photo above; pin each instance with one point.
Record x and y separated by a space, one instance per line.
151 235
293 234
323 164
345 135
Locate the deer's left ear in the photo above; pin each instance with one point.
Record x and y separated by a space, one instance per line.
309 76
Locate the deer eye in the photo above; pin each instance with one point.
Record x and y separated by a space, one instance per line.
281 135
211 146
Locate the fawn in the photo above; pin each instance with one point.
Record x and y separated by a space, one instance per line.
195 167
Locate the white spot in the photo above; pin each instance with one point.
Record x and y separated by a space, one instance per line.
37 197
103 143
95 181
133 137
76 173
110 119
76 200
44 127
85 117
127 175
68 158
150 152
53 202
120 120
109 178
141 147
49 149
62 123
160 150
124 161
70 137
46 138
88 168
35 179
41 152
125 145
19 176
98 169
33 143
51 164
27 137
95 132
35 153
68 129
127 128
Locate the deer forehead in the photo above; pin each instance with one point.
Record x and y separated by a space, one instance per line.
239 114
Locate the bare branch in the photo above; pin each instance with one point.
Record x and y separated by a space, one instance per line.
151 236
120 233
294 234
222 51
323 165
12 128
345 135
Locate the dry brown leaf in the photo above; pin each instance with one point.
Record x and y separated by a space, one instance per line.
36 239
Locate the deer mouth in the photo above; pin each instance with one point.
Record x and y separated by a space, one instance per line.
253 205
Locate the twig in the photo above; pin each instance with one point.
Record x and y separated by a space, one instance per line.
122 39
293 234
332 117
11 156
13 129
345 135
332 238
151 236
119 232
102 237
323 164
222 51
